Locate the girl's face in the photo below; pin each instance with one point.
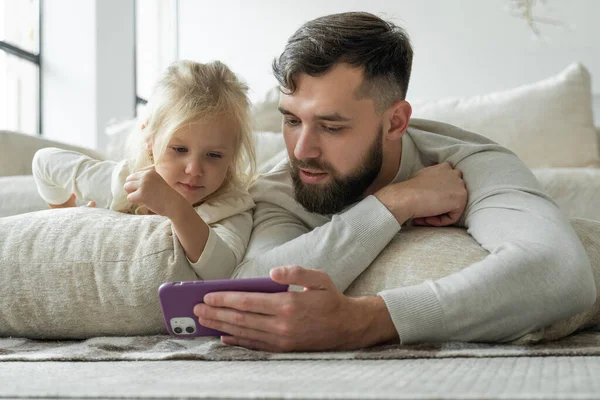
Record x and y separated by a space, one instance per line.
198 157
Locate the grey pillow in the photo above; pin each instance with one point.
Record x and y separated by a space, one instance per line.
414 256
84 272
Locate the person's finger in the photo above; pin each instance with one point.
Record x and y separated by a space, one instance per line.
436 220
455 215
240 331
131 186
133 177
91 204
305 277
133 197
261 303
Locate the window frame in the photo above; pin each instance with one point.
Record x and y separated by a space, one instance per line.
32 58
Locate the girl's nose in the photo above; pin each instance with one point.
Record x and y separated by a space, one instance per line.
194 167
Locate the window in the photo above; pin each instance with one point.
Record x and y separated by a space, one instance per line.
20 66
156 43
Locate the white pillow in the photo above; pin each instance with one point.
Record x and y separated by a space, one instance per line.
270 150
265 113
547 123
117 133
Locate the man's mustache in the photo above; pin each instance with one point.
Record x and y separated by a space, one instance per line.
312 163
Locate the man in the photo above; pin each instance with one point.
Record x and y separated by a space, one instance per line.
357 171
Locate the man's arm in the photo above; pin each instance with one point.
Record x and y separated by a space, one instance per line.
537 271
346 245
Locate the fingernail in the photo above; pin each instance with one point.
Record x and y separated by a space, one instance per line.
197 309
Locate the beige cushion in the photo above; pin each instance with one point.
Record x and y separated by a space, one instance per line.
575 190
80 272
17 150
547 123
419 254
267 117
18 195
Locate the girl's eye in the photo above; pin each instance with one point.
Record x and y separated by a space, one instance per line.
214 155
179 149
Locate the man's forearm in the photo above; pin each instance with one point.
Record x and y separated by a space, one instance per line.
365 228
191 230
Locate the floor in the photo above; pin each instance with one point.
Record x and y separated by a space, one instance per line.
459 378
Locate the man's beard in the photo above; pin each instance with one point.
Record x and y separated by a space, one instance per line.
342 191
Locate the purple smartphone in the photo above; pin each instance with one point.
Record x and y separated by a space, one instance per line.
177 300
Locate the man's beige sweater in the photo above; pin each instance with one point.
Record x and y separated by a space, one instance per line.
536 272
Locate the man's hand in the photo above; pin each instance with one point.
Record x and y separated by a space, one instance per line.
433 196
148 188
318 318
71 203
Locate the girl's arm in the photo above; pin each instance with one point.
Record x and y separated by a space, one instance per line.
59 174
225 246
214 235
191 230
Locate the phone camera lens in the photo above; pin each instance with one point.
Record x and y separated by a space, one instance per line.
178 330
189 329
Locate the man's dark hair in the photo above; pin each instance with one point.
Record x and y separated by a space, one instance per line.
359 39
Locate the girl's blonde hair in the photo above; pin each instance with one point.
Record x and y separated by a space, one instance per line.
186 92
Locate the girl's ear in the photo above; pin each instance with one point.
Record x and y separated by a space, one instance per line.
148 143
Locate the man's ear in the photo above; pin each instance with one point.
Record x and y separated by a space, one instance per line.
399 116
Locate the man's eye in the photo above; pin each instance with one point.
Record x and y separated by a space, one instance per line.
332 129
179 149
215 155
291 122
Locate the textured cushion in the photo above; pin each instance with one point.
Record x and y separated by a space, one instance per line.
81 272
547 123
575 190
270 150
267 117
17 150
18 195
419 254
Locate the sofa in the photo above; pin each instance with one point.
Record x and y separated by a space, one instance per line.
570 172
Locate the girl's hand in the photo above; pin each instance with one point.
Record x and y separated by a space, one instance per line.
148 188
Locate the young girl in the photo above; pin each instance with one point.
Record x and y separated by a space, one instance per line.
191 160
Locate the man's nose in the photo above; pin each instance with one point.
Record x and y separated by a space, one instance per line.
308 145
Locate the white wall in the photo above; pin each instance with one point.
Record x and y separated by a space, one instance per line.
87 68
462 47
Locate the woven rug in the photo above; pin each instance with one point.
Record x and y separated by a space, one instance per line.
211 349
